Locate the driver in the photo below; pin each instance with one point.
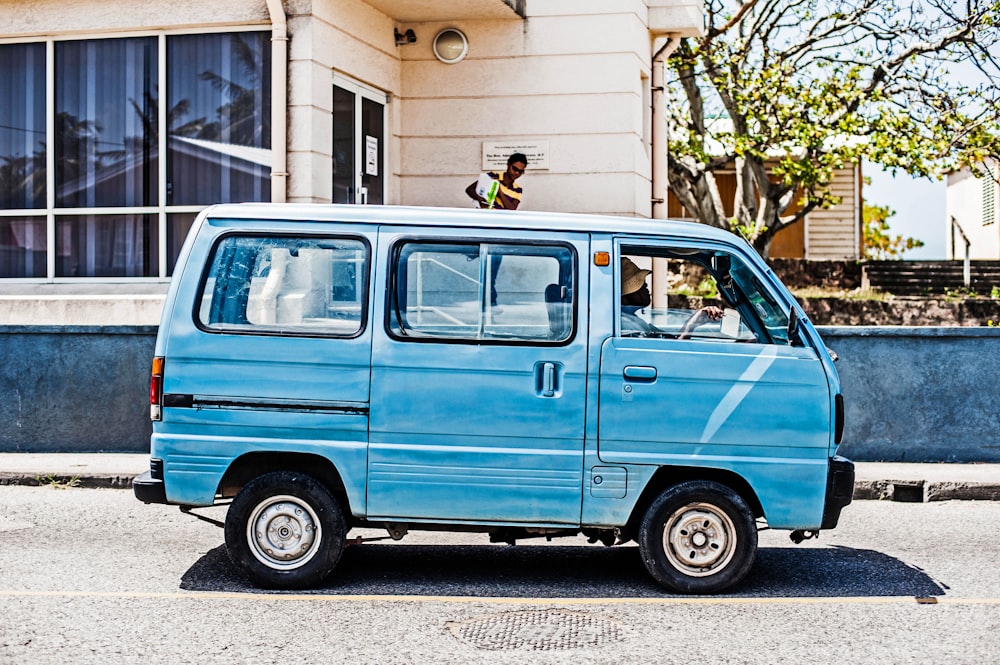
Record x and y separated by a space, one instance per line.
636 296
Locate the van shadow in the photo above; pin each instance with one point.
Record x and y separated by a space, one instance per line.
577 572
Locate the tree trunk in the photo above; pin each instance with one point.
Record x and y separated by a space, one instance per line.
698 192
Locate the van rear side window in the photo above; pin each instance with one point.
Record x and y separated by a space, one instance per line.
481 291
286 285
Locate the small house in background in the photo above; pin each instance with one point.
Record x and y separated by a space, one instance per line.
824 234
972 212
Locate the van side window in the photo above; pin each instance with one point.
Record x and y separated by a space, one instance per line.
288 285
482 292
702 294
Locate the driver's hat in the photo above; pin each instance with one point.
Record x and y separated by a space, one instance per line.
633 277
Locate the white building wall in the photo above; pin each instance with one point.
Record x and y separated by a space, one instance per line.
973 202
571 73
61 17
349 37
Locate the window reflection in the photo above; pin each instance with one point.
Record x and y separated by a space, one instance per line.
105 124
219 96
178 225
106 113
107 246
343 145
312 286
22 247
22 126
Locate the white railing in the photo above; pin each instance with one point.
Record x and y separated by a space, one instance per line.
966 266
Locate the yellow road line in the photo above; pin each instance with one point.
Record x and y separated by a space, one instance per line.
487 600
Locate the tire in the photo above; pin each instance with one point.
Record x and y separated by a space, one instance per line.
285 530
698 537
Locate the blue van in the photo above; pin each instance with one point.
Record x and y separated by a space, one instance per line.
321 368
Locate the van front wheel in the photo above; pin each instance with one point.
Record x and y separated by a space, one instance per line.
698 537
284 530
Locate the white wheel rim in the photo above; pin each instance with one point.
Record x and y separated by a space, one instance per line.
284 532
699 539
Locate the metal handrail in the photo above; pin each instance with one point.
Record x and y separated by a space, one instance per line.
966 266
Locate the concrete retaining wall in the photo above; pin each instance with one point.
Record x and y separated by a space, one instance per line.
75 388
912 394
919 394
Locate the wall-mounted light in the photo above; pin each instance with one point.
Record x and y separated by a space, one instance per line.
451 46
402 38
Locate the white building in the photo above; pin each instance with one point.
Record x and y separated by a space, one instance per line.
122 119
972 202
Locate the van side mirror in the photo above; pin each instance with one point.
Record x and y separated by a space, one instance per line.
793 328
721 263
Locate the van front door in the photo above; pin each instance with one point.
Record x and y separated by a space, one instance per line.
682 385
478 379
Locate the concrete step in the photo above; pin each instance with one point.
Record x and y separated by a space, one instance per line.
929 277
82 304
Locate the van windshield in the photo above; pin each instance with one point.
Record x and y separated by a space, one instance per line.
764 304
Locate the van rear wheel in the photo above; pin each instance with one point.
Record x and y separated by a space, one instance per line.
698 537
285 530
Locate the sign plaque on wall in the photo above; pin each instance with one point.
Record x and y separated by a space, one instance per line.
371 155
495 154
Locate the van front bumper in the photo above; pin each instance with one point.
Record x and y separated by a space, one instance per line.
148 487
839 490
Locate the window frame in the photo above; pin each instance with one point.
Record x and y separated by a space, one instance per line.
392 283
263 331
161 212
749 318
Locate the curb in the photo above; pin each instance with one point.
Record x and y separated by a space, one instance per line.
923 491
63 481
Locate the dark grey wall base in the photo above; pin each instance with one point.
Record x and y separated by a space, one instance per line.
912 394
75 388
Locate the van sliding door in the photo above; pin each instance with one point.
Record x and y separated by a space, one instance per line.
479 378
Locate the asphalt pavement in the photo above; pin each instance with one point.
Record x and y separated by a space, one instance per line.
892 481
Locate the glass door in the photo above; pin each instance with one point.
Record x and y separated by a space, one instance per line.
358 142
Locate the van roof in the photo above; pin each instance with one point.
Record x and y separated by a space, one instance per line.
430 216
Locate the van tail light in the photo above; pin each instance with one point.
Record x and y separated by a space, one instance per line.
156 390
838 427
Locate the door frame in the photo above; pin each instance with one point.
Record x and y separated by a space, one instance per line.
433 457
364 91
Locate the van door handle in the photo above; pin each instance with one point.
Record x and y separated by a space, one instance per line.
547 379
640 373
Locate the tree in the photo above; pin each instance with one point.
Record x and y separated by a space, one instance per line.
878 243
784 92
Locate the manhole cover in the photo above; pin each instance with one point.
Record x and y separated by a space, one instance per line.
538 630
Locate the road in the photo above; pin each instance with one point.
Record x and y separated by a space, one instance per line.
93 576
